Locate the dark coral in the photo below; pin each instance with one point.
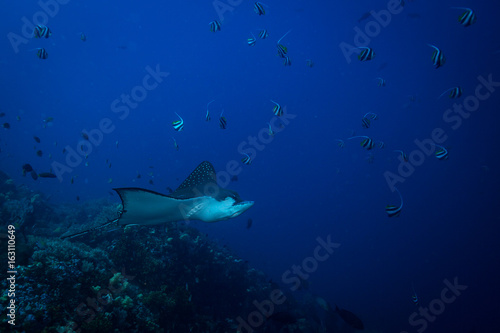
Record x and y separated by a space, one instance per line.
169 278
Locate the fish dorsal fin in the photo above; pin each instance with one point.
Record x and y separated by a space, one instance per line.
202 175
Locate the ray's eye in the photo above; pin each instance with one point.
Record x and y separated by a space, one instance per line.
236 198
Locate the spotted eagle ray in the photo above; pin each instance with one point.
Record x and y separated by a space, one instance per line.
197 198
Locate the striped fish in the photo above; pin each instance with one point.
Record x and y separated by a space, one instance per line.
222 121
467 18
259 9
380 82
365 122
403 155
455 92
207 116
340 143
414 297
441 153
246 160
287 61
214 26
282 49
366 54
367 143
263 34
277 110
381 145
394 211
83 37
270 130
176 146
41 53
41 31
251 41
178 124
438 59
309 63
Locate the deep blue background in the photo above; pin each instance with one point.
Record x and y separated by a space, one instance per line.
304 186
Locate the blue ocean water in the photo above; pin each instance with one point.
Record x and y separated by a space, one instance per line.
304 185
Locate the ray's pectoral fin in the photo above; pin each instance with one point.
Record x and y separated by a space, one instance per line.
144 207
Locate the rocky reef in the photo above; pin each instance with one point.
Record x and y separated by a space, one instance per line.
170 278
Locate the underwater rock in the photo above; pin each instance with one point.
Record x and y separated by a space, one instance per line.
6 183
164 279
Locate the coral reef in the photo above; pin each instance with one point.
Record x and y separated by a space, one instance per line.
170 278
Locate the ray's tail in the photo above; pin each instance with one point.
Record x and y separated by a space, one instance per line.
102 226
